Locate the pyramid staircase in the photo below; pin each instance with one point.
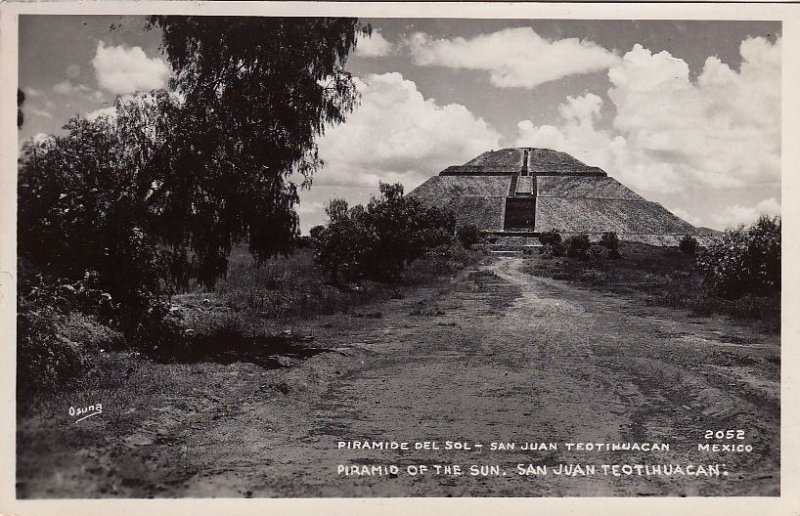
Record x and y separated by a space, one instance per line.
519 215
520 210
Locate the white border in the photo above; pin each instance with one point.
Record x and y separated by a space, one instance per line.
789 501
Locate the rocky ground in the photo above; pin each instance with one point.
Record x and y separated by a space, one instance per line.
494 355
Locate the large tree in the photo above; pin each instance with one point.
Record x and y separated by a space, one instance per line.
160 191
257 92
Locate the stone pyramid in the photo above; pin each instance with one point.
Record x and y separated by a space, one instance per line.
526 191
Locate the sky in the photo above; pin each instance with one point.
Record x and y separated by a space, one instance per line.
686 113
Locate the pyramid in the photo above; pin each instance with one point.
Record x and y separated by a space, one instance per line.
526 191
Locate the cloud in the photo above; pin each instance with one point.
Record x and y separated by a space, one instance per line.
70 88
38 112
121 69
688 217
108 112
397 135
668 132
73 71
735 215
32 92
373 46
514 57
308 208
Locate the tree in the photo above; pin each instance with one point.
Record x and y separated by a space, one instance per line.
578 246
468 235
688 244
89 214
744 261
552 237
258 91
378 240
339 246
160 191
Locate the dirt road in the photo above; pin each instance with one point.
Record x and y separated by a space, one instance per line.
494 356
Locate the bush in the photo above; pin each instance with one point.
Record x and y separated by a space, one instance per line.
688 244
552 237
578 246
610 240
378 241
744 260
552 250
593 277
45 359
468 235
303 242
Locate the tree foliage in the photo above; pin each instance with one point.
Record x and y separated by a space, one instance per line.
552 237
745 260
258 91
468 235
89 213
688 244
577 246
158 193
378 240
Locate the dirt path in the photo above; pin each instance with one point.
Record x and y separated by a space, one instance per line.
495 356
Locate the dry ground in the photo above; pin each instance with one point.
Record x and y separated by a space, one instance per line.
492 355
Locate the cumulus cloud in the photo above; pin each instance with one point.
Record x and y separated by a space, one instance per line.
669 132
514 57
374 45
397 135
735 215
722 130
71 89
120 70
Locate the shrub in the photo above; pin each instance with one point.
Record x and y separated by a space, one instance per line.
552 237
552 250
45 359
688 244
610 240
303 242
377 241
593 277
468 235
744 260
577 246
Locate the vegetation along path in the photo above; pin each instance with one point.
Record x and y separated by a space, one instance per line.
492 355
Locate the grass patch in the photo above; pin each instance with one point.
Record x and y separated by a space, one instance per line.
239 320
293 288
661 276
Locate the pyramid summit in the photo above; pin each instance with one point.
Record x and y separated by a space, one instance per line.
526 191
